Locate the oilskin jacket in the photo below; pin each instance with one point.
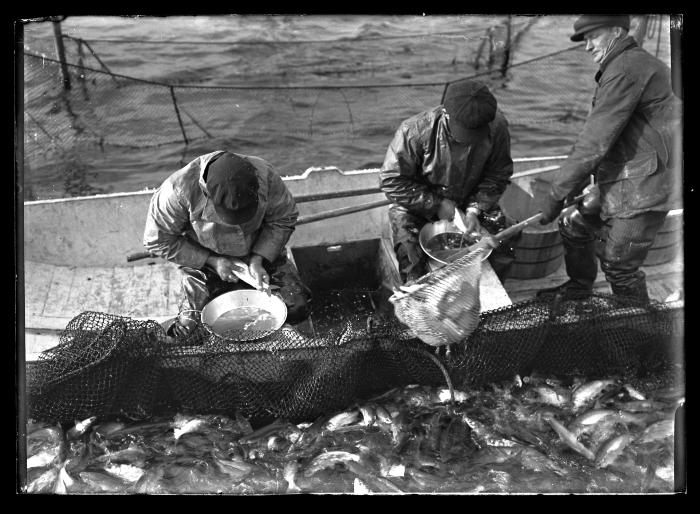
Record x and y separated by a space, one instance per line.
183 227
631 139
424 164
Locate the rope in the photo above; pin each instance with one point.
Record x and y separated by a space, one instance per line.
278 42
53 139
177 112
658 41
444 372
530 61
652 26
328 87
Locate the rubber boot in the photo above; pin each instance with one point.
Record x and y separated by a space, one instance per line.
579 255
569 288
638 290
581 266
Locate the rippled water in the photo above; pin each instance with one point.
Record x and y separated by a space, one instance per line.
545 105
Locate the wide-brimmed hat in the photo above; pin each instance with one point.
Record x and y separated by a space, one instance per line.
232 185
589 22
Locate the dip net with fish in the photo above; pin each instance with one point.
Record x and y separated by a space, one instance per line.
444 306
108 365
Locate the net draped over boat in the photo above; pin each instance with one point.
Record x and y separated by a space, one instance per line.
107 365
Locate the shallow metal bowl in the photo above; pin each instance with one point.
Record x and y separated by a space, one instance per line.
239 299
431 230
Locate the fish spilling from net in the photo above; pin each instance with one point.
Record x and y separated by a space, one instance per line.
529 434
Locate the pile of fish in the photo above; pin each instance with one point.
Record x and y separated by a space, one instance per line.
531 434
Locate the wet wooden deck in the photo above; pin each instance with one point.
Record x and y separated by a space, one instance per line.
54 294
664 282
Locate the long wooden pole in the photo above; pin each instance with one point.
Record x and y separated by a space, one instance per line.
60 50
676 54
302 220
641 31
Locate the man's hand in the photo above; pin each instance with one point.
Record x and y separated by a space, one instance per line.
258 272
223 266
471 221
446 210
551 209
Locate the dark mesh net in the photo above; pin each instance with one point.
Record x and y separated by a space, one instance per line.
107 365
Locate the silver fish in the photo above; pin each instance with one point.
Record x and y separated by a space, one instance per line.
231 465
375 483
133 454
641 420
342 419
588 420
368 414
484 435
44 482
634 393
570 439
665 471
44 447
534 460
102 481
277 427
641 406
612 449
108 428
359 487
588 392
183 425
657 432
550 396
603 431
383 415
426 481
151 481
329 459
63 482
290 472
80 427
125 472
44 458
496 454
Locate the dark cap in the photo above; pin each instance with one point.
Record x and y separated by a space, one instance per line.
589 22
470 105
232 185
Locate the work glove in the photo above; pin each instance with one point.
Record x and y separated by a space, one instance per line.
551 209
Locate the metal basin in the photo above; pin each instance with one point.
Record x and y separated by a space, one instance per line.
448 244
244 315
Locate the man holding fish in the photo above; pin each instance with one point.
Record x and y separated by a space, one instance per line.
451 162
222 217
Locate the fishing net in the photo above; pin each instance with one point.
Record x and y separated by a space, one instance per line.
107 365
442 307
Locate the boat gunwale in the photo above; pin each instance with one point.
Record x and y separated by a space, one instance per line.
303 176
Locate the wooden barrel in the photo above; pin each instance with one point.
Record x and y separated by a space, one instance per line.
669 240
538 251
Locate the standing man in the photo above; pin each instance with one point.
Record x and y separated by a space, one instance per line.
452 160
219 206
631 144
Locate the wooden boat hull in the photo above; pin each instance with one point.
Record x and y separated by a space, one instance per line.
74 252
